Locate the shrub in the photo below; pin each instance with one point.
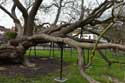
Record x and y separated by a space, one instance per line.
10 35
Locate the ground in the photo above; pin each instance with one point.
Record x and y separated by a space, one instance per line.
47 70
43 66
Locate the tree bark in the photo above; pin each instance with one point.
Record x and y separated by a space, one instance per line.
82 68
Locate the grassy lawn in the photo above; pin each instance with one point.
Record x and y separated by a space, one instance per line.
99 70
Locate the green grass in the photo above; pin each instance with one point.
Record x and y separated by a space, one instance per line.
68 57
98 70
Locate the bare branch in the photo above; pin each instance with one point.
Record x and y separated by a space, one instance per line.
110 62
69 2
94 32
82 69
7 12
74 43
82 10
96 13
35 8
47 7
21 8
58 12
97 41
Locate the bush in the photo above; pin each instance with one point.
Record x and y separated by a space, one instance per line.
10 35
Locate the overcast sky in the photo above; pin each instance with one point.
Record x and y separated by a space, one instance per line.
6 21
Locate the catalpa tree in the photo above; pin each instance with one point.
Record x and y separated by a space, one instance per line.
68 16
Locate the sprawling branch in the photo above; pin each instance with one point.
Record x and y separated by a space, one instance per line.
82 69
96 13
74 43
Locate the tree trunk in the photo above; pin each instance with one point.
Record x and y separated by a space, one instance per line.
19 30
28 27
14 52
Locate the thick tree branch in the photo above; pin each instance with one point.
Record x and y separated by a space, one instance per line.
21 8
13 10
82 69
35 8
74 43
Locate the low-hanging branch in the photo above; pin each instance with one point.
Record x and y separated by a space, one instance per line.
74 43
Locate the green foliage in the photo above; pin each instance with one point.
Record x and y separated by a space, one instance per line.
10 35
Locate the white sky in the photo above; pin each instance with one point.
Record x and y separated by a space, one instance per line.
6 21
